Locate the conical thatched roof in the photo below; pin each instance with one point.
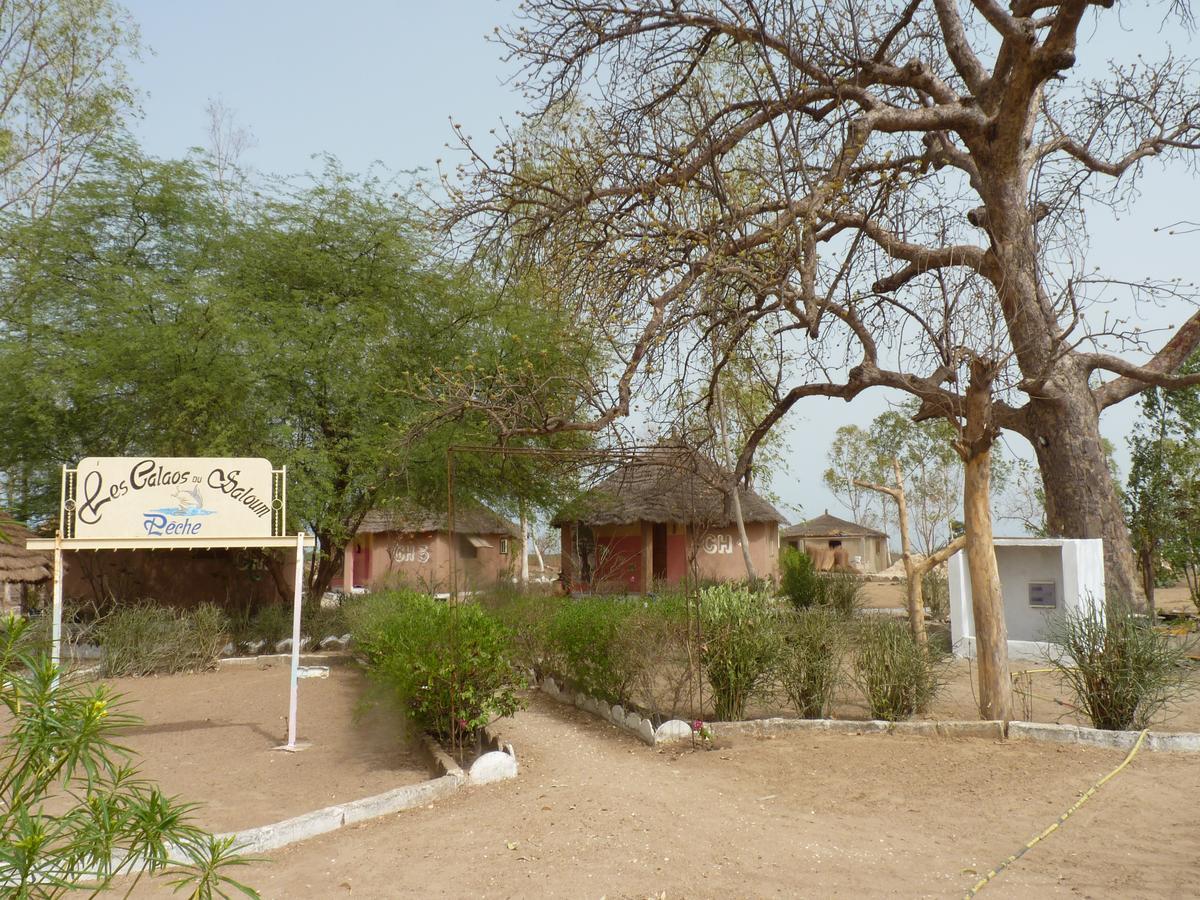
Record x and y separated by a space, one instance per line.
830 526
412 519
18 565
669 484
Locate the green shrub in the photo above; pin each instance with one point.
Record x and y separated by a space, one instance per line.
897 675
584 646
144 639
810 664
74 813
527 616
799 580
935 589
451 667
805 587
1121 670
841 592
740 645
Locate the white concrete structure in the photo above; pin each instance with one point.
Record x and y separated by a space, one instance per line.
1039 578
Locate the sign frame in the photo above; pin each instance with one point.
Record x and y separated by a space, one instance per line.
65 539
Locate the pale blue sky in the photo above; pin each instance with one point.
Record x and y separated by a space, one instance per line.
370 80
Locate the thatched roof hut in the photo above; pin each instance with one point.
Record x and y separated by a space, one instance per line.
667 484
827 526
411 519
17 564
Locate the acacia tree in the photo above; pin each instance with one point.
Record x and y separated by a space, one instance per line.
63 90
835 159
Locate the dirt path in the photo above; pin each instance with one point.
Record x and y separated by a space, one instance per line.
596 814
208 737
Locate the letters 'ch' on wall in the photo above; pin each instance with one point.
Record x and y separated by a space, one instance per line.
173 497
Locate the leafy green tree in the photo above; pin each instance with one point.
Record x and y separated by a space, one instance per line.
116 329
154 313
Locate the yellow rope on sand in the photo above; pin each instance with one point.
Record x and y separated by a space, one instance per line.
982 882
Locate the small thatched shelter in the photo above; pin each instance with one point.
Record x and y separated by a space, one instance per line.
838 543
415 545
653 516
19 566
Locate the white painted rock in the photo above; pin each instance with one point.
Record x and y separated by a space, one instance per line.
493 766
645 731
617 714
632 720
228 649
673 730
255 646
550 686
333 643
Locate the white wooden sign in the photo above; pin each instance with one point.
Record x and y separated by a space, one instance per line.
168 498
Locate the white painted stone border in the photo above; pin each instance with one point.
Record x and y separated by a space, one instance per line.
676 730
489 767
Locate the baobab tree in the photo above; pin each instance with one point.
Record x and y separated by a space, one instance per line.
899 188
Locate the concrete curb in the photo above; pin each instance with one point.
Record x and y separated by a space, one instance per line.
450 779
331 818
1178 742
993 730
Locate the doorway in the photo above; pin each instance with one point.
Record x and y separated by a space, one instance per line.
658 554
361 564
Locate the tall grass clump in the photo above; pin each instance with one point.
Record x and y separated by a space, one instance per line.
810 662
842 592
1121 670
741 645
146 639
452 669
897 675
805 587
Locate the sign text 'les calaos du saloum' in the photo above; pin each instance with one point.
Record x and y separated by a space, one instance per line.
173 497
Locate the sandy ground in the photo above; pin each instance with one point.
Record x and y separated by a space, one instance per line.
596 814
208 738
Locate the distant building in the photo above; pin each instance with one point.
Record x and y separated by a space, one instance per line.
655 518
415 547
830 540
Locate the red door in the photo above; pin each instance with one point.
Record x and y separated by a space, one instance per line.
361 564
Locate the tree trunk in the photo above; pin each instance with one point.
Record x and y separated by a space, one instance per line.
1081 497
987 602
751 572
524 569
912 587
328 563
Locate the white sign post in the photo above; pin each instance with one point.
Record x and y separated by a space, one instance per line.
175 503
